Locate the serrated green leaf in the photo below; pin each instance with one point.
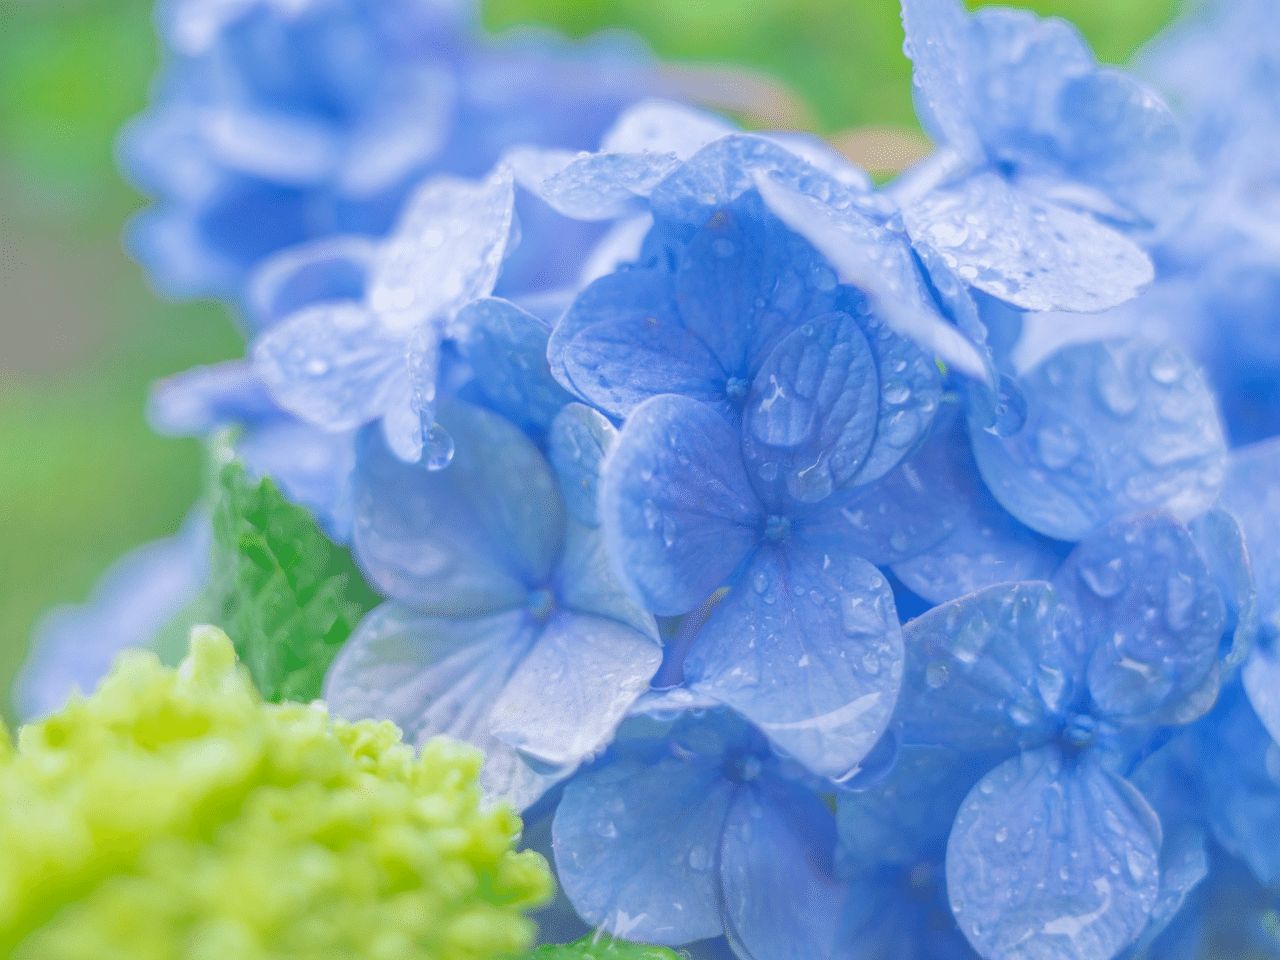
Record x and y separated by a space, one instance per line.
601 947
286 596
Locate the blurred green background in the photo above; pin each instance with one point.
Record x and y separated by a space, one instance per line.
81 336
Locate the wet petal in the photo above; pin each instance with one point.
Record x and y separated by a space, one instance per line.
1112 428
941 49
507 350
807 646
1261 678
661 126
334 365
781 898
437 676
474 537
585 582
564 701
1052 858
1252 494
1151 618
635 847
1184 864
194 402
323 271
605 186
1221 540
579 440
989 671
623 342
677 509
1033 254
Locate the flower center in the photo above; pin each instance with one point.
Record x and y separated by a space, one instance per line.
736 389
541 604
742 768
777 528
1080 731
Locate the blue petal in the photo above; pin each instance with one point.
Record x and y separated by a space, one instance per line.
1112 428
446 250
623 342
605 186
899 820
989 671
636 844
335 365
323 271
566 698
880 264
781 899
1252 494
1221 540
984 545
1184 864
312 467
507 350
678 511
940 46
722 171
806 646
814 408
1032 254
661 126
744 281
74 647
472 538
1122 139
1052 858
194 402
1151 618
435 676
580 439
1261 677
585 582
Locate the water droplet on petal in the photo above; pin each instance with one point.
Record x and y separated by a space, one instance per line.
1058 444
1166 366
651 514
1104 579
316 367
437 448
937 675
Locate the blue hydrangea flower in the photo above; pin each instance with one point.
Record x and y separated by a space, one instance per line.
1054 851
693 828
1046 160
504 625
275 124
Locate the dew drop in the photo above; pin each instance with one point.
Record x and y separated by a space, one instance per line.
1104 579
437 448
651 514
987 787
937 675
761 582
700 856
1166 366
316 367
668 531
1058 445
871 663
1002 835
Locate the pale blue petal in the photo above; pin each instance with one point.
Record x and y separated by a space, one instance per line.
474 537
880 264
579 440
585 582
636 846
623 342
334 365
661 126
1032 254
813 408
436 676
1252 494
1184 864
678 512
744 281
194 402
312 467
1051 858
1151 615
722 171
446 250
564 701
606 186
1261 677
324 271
808 647
821 155
401 422
74 647
781 898
1221 540
507 349
940 45
1112 428
989 671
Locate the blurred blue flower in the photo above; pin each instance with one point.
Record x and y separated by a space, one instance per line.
504 625
274 124
1053 850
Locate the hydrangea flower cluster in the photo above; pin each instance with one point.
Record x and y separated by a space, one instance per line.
830 571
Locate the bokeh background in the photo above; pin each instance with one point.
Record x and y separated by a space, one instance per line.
81 335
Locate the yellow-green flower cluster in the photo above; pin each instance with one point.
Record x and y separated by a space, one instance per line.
173 814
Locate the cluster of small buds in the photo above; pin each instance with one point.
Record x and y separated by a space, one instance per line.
834 570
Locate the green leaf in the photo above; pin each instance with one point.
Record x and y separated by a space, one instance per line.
286 596
601 947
